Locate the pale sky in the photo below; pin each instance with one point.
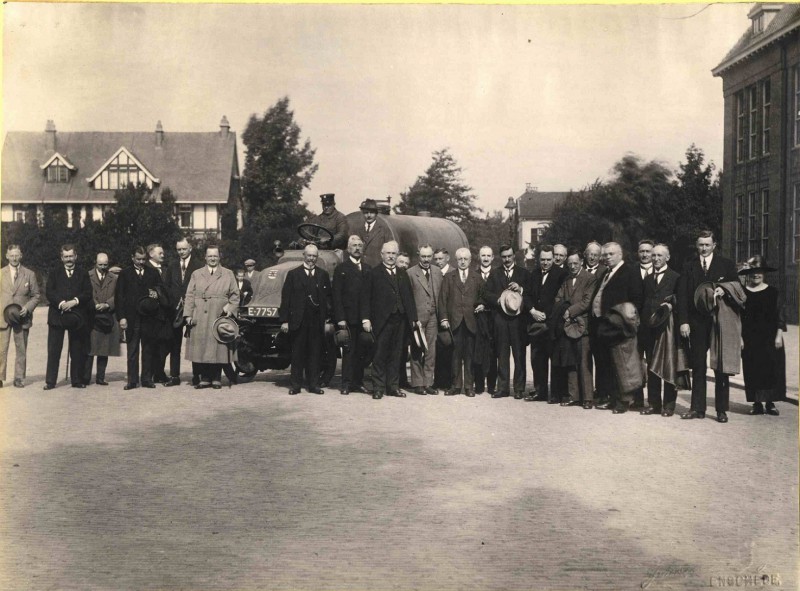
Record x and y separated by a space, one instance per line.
553 96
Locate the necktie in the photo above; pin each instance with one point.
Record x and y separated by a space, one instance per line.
544 277
705 266
592 269
13 274
102 276
183 269
658 275
463 276
508 274
69 273
139 272
369 227
212 270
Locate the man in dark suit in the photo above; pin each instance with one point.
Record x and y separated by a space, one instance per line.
374 232
660 287
619 285
161 346
509 330
348 279
305 306
245 287
543 286
458 300
179 273
386 303
443 367
485 360
645 255
577 289
696 326
591 260
70 293
135 283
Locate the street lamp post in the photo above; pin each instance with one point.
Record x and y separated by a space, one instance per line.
511 206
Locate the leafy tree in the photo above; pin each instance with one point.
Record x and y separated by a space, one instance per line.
441 191
277 169
491 230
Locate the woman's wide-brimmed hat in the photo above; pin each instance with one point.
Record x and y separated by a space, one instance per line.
756 264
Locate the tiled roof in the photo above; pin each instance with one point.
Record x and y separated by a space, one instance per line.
787 19
197 167
536 205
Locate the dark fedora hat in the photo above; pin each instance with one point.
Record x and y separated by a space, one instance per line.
660 317
575 328
756 264
71 320
225 330
366 346
147 306
704 299
445 336
103 322
536 329
369 205
11 314
342 337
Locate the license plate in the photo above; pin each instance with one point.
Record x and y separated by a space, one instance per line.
262 311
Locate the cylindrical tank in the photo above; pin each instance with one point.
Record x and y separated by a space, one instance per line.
410 231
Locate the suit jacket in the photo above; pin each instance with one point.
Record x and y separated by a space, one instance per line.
374 241
348 283
457 300
543 296
105 292
656 293
245 292
175 286
599 273
24 291
720 270
426 296
294 297
624 286
498 282
579 296
378 297
61 288
130 289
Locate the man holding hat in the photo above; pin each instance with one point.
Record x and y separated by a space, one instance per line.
104 338
503 293
426 284
332 220
696 325
347 287
179 272
69 292
19 296
136 285
374 232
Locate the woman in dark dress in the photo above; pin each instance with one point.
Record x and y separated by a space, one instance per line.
763 325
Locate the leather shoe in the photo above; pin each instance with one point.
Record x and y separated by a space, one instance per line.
148 385
573 403
430 391
18 383
758 409
292 391
566 403
771 410
130 386
469 394
479 391
520 396
667 413
397 394
316 391
101 382
722 417
344 391
648 411
419 390
80 385
588 405
216 385
452 392
48 386
377 395
619 410
195 381
553 401
693 414
604 406
500 395
172 382
202 385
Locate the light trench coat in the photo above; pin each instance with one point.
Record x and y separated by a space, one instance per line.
207 297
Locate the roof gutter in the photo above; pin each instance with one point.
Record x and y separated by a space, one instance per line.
755 48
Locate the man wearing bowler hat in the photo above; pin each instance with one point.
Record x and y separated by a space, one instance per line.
373 231
332 220
136 284
696 326
69 292
18 289
104 338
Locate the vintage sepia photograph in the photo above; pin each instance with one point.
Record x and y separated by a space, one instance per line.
410 297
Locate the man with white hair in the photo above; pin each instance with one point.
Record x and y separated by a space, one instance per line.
458 302
559 255
426 284
17 286
387 301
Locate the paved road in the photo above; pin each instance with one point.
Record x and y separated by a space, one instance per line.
249 488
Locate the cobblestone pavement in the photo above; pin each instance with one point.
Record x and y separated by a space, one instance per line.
249 488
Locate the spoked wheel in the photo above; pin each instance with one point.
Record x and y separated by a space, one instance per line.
315 234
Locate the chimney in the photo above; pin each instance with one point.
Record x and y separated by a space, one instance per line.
50 135
224 127
529 188
159 134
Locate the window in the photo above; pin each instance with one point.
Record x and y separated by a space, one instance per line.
758 24
764 222
121 171
57 173
185 216
797 105
766 100
740 124
754 224
740 253
796 218
752 147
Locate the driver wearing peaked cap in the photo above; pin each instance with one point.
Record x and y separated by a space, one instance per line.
332 220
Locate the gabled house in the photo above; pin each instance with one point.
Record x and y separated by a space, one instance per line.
80 171
535 214
761 154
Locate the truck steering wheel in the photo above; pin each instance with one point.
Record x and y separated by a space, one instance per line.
315 234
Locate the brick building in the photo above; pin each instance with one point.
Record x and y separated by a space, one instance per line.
761 160
80 171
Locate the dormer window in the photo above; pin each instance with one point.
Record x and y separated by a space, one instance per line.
758 24
119 171
57 169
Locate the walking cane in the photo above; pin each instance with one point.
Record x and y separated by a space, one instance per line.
66 377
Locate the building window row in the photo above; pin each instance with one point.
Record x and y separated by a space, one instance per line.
796 223
753 114
752 223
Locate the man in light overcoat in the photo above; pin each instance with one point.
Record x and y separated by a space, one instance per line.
103 341
426 284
